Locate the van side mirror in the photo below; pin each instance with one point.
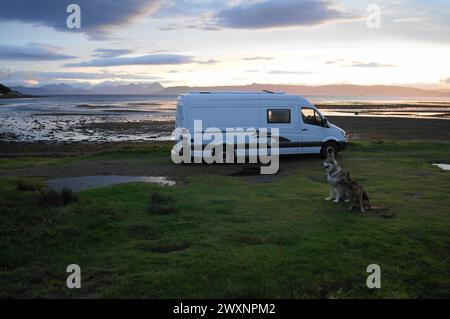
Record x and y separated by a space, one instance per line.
325 122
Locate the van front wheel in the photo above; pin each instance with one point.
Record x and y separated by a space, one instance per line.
329 148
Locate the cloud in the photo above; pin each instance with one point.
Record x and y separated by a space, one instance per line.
26 77
32 52
200 23
110 53
410 19
151 59
194 8
162 51
356 64
97 16
12 78
371 65
257 58
91 76
5 73
278 13
281 72
210 61
178 71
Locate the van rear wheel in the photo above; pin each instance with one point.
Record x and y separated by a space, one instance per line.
329 148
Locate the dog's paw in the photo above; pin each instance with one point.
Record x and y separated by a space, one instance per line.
328 198
336 201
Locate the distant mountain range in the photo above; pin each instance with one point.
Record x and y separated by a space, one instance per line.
66 89
51 89
133 88
156 88
327 90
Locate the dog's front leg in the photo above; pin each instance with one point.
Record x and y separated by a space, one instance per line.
361 203
330 197
338 197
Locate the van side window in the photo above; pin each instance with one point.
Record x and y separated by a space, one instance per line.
310 116
278 116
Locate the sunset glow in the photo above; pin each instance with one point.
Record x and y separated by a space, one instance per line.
228 43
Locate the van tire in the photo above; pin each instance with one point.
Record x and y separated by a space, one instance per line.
329 147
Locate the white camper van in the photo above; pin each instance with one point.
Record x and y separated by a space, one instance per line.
302 128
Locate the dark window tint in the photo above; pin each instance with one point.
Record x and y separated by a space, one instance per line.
310 116
279 116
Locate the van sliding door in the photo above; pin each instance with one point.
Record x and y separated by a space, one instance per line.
283 115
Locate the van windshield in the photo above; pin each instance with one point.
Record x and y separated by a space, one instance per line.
320 114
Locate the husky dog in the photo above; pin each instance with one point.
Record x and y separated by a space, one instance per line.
336 179
357 195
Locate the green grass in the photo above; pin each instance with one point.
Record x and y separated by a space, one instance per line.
226 237
12 163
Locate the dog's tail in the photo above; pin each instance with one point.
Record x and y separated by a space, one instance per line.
366 201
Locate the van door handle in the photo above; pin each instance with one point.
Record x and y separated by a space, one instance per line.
305 130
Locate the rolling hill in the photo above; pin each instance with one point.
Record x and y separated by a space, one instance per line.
328 90
8 93
108 88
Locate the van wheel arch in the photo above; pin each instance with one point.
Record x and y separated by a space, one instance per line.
329 147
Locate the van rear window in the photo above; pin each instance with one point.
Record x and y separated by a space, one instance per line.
278 116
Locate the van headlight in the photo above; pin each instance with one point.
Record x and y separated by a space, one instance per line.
344 133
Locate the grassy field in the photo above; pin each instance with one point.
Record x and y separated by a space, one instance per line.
227 236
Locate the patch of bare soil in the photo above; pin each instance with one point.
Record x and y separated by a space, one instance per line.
131 127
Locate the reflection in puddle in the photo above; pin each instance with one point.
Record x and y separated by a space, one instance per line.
445 167
77 184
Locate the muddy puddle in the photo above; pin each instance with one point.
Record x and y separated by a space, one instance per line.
81 183
445 167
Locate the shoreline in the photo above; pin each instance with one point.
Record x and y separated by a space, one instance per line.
18 96
146 120
372 129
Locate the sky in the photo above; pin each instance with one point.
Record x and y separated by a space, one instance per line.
226 42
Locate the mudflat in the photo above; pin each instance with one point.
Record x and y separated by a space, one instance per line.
358 127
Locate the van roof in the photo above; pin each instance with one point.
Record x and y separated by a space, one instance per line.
243 95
